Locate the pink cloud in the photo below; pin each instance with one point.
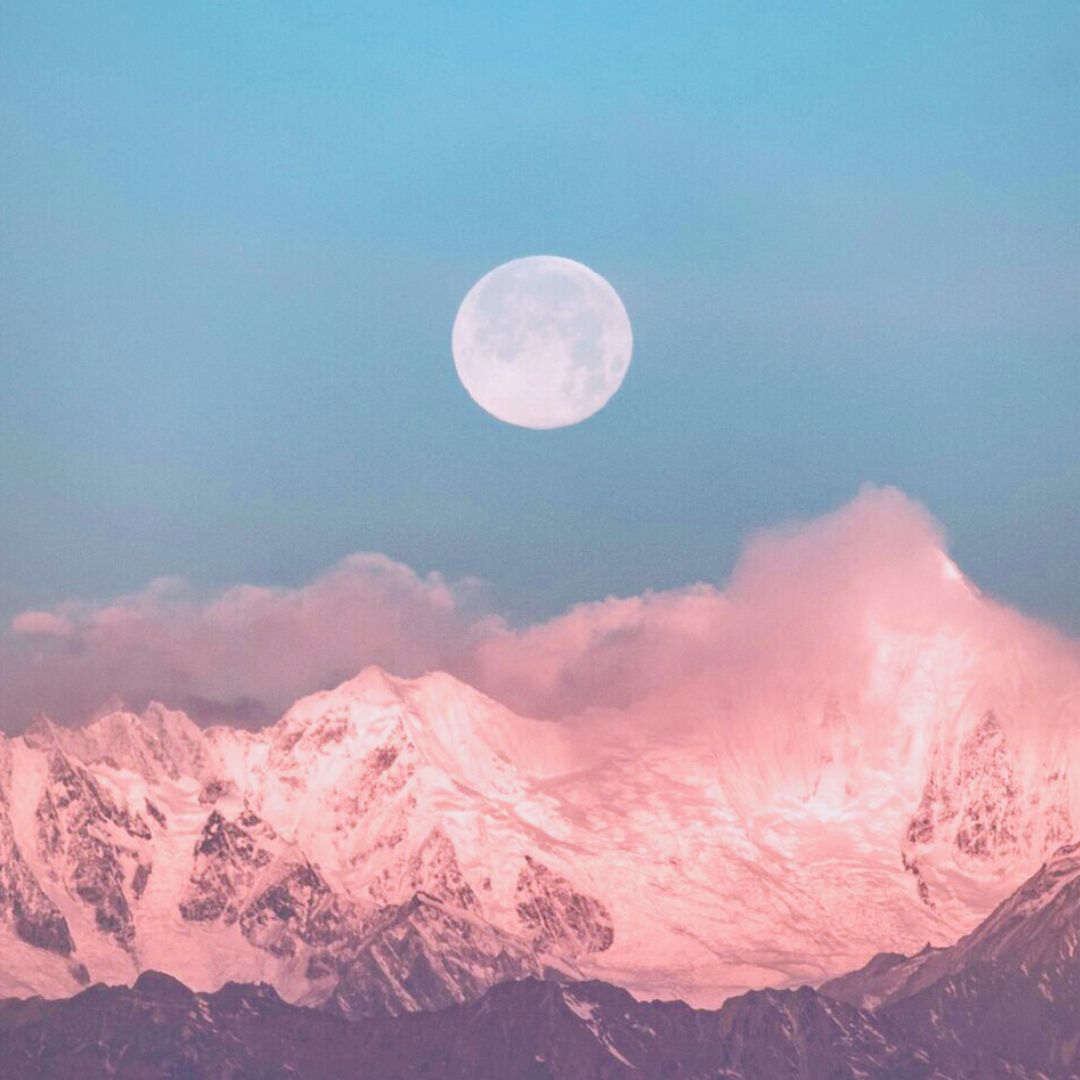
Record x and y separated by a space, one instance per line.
798 606
608 653
226 655
804 614
40 624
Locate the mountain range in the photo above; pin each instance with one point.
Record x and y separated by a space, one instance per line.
394 847
1003 1002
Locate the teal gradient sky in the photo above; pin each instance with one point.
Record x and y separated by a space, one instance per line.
233 239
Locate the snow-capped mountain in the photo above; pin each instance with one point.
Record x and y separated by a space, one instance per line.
1008 992
394 845
1003 1002
1035 931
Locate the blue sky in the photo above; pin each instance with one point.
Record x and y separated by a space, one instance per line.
233 239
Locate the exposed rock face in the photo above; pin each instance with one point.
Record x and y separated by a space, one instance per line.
977 804
423 955
282 904
976 796
427 953
296 909
23 903
434 869
879 980
559 918
94 844
215 789
228 857
1036 931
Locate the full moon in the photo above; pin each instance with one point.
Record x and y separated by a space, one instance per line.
542 342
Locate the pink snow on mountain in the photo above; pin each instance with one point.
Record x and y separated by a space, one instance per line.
848 749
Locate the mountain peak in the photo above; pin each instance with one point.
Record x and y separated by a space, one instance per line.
162 987
40 732
1042 890
376 685
371 683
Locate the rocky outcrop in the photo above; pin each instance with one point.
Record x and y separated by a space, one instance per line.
977 803
92 843
228 856
434 869
23 903
557 917
974 796
243 873
298 909
423 955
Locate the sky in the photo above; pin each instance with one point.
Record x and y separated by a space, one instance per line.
233 239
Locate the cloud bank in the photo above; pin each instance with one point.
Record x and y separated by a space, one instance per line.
808 605
242 655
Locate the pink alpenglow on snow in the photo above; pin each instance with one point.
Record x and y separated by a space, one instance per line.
848 749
